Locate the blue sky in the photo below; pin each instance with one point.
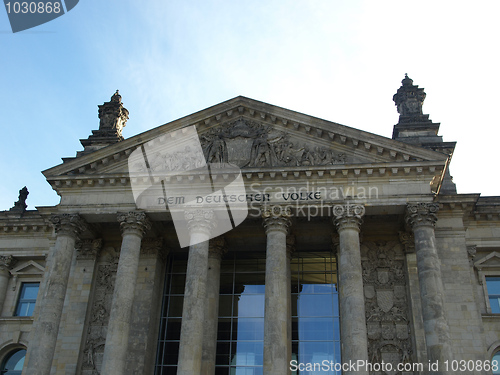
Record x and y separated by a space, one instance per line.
337 60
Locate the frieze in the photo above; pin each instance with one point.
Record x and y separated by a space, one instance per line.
387 315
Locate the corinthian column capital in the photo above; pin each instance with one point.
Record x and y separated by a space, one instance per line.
200 221
277 218
69 224
421 214
348 216
135 222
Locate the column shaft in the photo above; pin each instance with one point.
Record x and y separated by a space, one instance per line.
422 218
276 313
353 332
43 338
216 249
200 223
133 225
193 310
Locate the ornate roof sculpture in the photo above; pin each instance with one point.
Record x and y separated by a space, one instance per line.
113 117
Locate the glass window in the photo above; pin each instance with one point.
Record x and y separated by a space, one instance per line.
493 286
27 299
13 364
315 309
240 337
496 365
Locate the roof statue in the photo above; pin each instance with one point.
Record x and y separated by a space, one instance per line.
113 117
20 205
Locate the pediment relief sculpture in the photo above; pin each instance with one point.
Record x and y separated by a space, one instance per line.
252 144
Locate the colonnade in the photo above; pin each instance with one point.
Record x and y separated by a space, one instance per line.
197 349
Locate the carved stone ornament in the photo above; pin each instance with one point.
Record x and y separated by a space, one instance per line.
69 224
113 117
277 218
348 216
251 144
200 220
471 251
134 221
409 100
386 306
88 249
408 241
421 214
98 318
6 262
217 247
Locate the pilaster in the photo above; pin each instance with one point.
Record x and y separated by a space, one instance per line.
6 262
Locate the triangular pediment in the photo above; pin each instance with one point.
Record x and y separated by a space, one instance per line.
253 134
28 268
492 260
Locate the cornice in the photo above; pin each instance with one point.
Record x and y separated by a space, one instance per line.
370 170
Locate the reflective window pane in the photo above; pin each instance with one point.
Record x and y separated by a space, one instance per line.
13 365
493 286
249 329
250 305
27 299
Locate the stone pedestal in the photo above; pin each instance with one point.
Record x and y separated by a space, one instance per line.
421 217
216 249
5 263
133 225
277 295
200 224
43 336
351 298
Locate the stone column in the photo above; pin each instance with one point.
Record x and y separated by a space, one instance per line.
215 251
133 226
354 340
43 337
6 261
276 314
421 217
290 248
200 223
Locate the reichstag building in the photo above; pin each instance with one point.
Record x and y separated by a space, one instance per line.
249 239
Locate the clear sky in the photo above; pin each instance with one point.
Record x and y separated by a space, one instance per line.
338 60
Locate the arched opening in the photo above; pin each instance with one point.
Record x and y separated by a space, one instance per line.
13 363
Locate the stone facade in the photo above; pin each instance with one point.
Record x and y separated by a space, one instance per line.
414 259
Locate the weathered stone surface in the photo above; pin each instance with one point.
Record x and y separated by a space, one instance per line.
276 309
354 337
